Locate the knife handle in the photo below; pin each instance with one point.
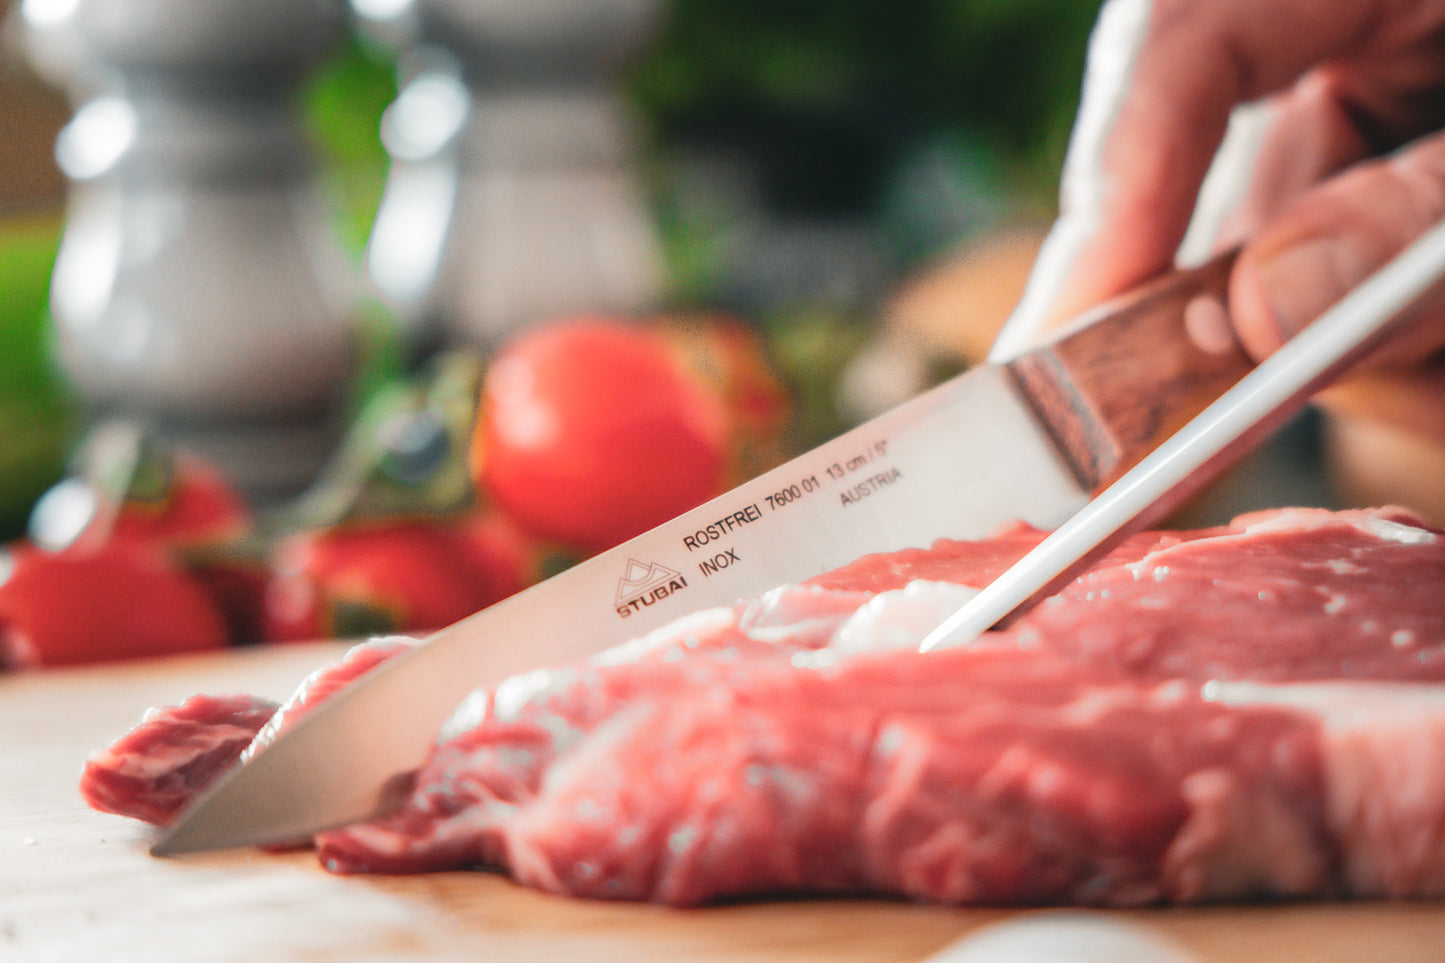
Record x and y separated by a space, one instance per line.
1126 375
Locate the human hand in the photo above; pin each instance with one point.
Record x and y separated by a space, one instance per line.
1318 204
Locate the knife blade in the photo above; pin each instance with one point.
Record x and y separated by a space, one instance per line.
1031 440
1261 402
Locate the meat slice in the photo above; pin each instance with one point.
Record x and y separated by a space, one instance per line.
1251 710
1384 752
152 772
1076 757
326 681
967 776
1281 596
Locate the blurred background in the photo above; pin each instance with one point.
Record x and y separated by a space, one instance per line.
815 167
34 410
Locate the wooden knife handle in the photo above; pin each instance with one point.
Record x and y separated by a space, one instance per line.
1126 375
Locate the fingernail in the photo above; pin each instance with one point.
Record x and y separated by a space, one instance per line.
1207 324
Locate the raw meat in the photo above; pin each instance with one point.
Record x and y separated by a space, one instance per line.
1235 712
1309 595
358 660
966 776
154 770
158 767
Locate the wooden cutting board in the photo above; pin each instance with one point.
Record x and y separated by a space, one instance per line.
79 885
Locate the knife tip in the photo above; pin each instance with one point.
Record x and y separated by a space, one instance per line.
180 839
165 847
183 839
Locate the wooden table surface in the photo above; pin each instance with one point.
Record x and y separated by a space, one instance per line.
79 885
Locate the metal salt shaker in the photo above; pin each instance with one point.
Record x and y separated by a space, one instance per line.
198 288
513 194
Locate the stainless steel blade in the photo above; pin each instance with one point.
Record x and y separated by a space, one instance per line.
1260 403
960 460
1029 441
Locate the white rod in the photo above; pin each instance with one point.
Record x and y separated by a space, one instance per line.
1280 379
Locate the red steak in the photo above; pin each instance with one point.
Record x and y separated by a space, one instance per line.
1227 713
158 767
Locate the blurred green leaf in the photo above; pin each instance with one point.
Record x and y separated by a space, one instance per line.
343 105
1007 69
37 416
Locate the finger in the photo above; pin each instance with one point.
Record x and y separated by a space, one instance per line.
1366 102
1163 79
1333 237
1308 135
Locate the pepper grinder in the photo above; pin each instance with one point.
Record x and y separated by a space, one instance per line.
513 194
198 288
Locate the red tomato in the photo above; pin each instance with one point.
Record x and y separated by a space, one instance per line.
403 575
193 510
149 497
729 357
197 504
117 602
591 431
237 587
177 500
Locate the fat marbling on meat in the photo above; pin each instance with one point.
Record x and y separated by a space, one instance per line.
1218 714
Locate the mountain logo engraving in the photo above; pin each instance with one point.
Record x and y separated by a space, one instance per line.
644 584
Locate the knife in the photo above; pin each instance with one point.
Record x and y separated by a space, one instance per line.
1260 403
1031 440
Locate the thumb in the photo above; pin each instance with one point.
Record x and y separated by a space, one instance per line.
1332 238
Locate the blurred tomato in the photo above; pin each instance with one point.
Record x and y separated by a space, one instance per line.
591 431
400 575
190 508
236 580
130 488
115 602
729 357
193 503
